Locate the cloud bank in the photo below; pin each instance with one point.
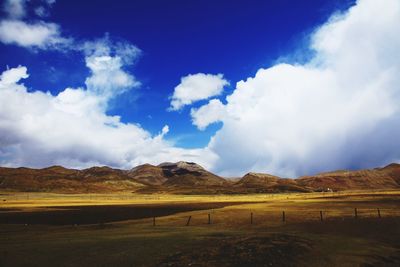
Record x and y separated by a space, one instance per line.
72 128
339 110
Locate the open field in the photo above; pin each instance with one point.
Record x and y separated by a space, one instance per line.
223 230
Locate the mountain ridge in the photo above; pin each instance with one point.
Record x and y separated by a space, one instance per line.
188 178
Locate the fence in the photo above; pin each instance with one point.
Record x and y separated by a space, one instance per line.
276 217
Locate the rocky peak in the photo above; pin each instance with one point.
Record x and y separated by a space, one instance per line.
181 167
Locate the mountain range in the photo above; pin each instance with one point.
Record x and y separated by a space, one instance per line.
188 178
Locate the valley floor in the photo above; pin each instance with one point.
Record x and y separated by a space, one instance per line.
360 228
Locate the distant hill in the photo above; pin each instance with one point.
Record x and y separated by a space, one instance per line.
148 174
189 174
181 177
266 183
378 178
59 179
188 178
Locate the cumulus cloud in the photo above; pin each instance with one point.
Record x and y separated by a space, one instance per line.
106 60
72 129
195 87
214 111
37 35
339 110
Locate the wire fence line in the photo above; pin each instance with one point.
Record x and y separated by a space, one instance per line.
285 216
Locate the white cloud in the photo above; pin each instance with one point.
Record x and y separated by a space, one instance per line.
34 34
195 87
214 111
37 35
105 46
165 130
15 8
41 11
340 110
72 129
13 75
106 59
107 77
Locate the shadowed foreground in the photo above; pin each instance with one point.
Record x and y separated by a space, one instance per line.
61 215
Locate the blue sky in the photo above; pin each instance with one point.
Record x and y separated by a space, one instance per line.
285 87
177 38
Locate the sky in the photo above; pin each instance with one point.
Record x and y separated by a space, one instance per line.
289 88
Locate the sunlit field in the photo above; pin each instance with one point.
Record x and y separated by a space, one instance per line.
333 228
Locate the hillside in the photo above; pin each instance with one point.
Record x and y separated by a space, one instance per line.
189 174
188 178
266 183
59 179
378 178
184 178
147 174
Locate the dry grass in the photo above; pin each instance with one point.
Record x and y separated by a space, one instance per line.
302 240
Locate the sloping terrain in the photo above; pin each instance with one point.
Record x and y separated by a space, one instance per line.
147 174
182 177
59 179
188 178
379 178
189 174
266 183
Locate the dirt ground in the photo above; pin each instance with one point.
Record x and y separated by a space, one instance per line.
201 231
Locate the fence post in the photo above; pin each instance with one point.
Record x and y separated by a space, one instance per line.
320 215
283 216
355 213
251 218
209 218
188 221
379 213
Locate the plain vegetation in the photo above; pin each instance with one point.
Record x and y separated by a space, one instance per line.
229 238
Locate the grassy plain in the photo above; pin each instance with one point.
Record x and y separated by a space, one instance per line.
245 230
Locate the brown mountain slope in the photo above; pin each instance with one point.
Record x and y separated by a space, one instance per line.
379 178
189 174
266 183
182 177
392 170
187 178
147 174
59 179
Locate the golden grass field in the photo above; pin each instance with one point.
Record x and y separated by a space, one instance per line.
43 229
